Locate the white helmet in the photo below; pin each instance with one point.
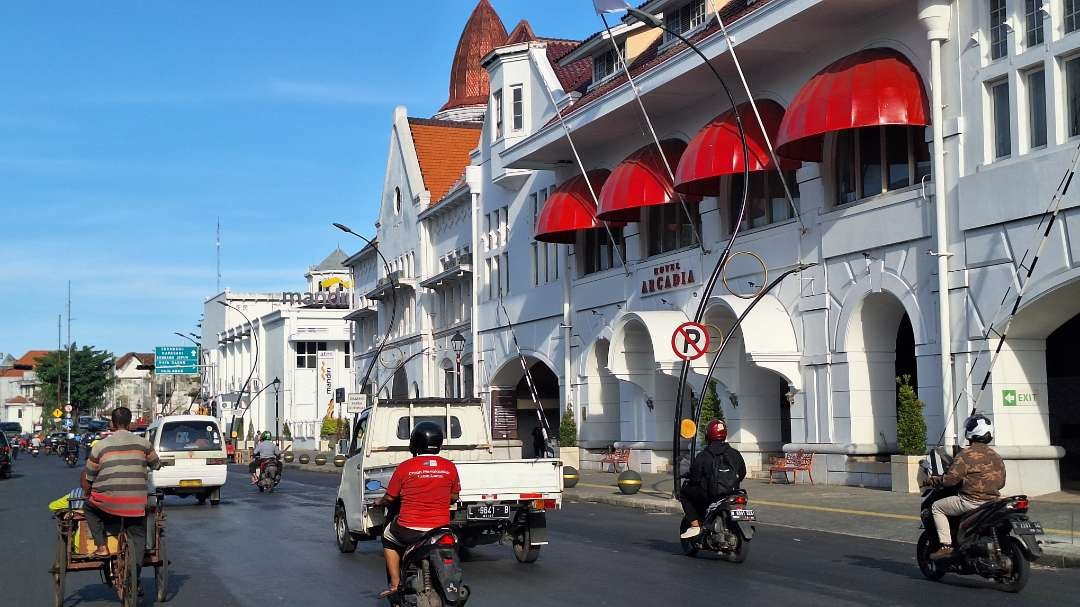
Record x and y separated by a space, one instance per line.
978 429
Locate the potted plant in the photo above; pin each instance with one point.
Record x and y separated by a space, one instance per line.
568 449
910 437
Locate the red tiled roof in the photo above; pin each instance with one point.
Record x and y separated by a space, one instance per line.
468 79
31 357
17 400
522 32
143 358
442 149
573 76
652 57
12 373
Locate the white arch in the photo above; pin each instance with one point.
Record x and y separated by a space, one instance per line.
892 284
768 334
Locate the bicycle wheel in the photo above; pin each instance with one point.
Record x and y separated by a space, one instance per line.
59 571
161 572
127 582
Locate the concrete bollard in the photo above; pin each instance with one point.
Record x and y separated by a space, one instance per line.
288 457
320 460
629 482
339 460
304 458
570 476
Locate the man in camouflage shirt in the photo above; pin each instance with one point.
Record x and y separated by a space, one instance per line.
980 474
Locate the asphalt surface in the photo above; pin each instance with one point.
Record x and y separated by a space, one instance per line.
278 549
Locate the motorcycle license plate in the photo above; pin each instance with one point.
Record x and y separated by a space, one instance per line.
744 514
1031 527
191 483
488 512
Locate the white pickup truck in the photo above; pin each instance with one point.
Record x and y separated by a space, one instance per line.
499 497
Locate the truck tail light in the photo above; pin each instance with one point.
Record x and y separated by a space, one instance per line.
530 496
544 504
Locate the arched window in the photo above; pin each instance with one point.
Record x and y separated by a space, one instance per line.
873 160
767 202
397 201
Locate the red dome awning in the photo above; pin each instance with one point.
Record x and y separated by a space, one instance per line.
639 181
717 149
875 87
570 209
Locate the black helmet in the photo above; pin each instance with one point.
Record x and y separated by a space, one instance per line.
427 438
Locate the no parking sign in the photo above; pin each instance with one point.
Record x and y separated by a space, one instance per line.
690 341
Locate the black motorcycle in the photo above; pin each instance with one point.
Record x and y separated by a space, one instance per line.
71 457
269 474
726 530
431 573
996 541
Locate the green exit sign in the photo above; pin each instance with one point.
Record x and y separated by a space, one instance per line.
1012 398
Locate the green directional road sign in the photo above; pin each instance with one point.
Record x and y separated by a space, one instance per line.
1008 398
176 360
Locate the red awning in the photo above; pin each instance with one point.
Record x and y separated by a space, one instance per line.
570 208
717 149
875 87
639 181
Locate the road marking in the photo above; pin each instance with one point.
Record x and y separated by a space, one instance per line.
902 517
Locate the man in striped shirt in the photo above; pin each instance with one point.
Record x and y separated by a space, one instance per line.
116 478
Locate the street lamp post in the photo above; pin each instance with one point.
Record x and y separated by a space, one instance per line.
277 410
255 364
457 342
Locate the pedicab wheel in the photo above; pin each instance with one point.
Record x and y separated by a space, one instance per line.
931 569
59 571
524 551
161 573
126 570
688 546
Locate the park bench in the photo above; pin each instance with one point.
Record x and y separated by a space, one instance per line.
616 457
795 462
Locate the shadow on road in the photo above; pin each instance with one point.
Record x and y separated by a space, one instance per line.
905 569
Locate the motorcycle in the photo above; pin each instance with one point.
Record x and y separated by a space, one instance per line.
34 450
431 573
996 541
726 530
269 474
71 458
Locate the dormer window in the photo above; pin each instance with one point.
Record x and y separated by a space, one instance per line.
685 19
606 64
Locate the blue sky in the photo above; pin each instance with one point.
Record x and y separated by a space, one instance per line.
127 128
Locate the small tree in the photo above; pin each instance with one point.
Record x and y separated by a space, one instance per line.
330 427
910 425
251 432
710 408
567 430
286 431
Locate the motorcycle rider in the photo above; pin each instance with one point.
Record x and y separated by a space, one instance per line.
980 474
426 485
715 472
71 445
265 449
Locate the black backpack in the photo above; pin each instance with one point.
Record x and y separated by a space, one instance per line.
724 479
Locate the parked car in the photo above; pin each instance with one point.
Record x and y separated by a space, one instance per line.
12 431
193 461
6 456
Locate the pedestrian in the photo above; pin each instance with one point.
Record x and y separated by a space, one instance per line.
116 479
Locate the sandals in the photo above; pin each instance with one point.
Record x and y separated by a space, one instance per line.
100 554
387 593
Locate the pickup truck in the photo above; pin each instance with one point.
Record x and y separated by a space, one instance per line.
499 497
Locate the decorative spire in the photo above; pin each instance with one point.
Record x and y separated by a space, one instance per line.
483 32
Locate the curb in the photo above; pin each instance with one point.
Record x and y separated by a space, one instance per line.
328 468
1051 557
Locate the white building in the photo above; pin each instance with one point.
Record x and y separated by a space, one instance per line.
18 390
298 338
847 97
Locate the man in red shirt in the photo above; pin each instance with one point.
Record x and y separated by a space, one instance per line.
426 485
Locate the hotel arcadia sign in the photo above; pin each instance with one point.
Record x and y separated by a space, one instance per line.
326 299
667 277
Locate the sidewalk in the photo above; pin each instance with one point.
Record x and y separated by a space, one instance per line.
871 513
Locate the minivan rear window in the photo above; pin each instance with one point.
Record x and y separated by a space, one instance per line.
403 429
190 436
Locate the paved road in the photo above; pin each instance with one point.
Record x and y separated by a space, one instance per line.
258 550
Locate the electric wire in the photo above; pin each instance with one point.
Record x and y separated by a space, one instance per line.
545 430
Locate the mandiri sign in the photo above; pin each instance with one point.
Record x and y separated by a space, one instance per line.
176 360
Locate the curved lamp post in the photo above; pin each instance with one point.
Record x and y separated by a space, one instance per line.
255 364
457 343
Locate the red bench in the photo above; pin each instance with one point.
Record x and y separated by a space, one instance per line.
799 461
616 457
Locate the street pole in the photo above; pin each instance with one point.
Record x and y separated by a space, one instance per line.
59 345
277 411
68 402
458 375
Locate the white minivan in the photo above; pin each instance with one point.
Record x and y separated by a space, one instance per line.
192 452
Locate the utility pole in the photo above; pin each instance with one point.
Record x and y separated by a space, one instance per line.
218 245
68 402
59 346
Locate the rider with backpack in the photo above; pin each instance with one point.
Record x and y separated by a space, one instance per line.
715 473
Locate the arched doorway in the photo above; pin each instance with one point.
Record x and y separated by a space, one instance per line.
1063 392
880 346
400 387
514 414
600 414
